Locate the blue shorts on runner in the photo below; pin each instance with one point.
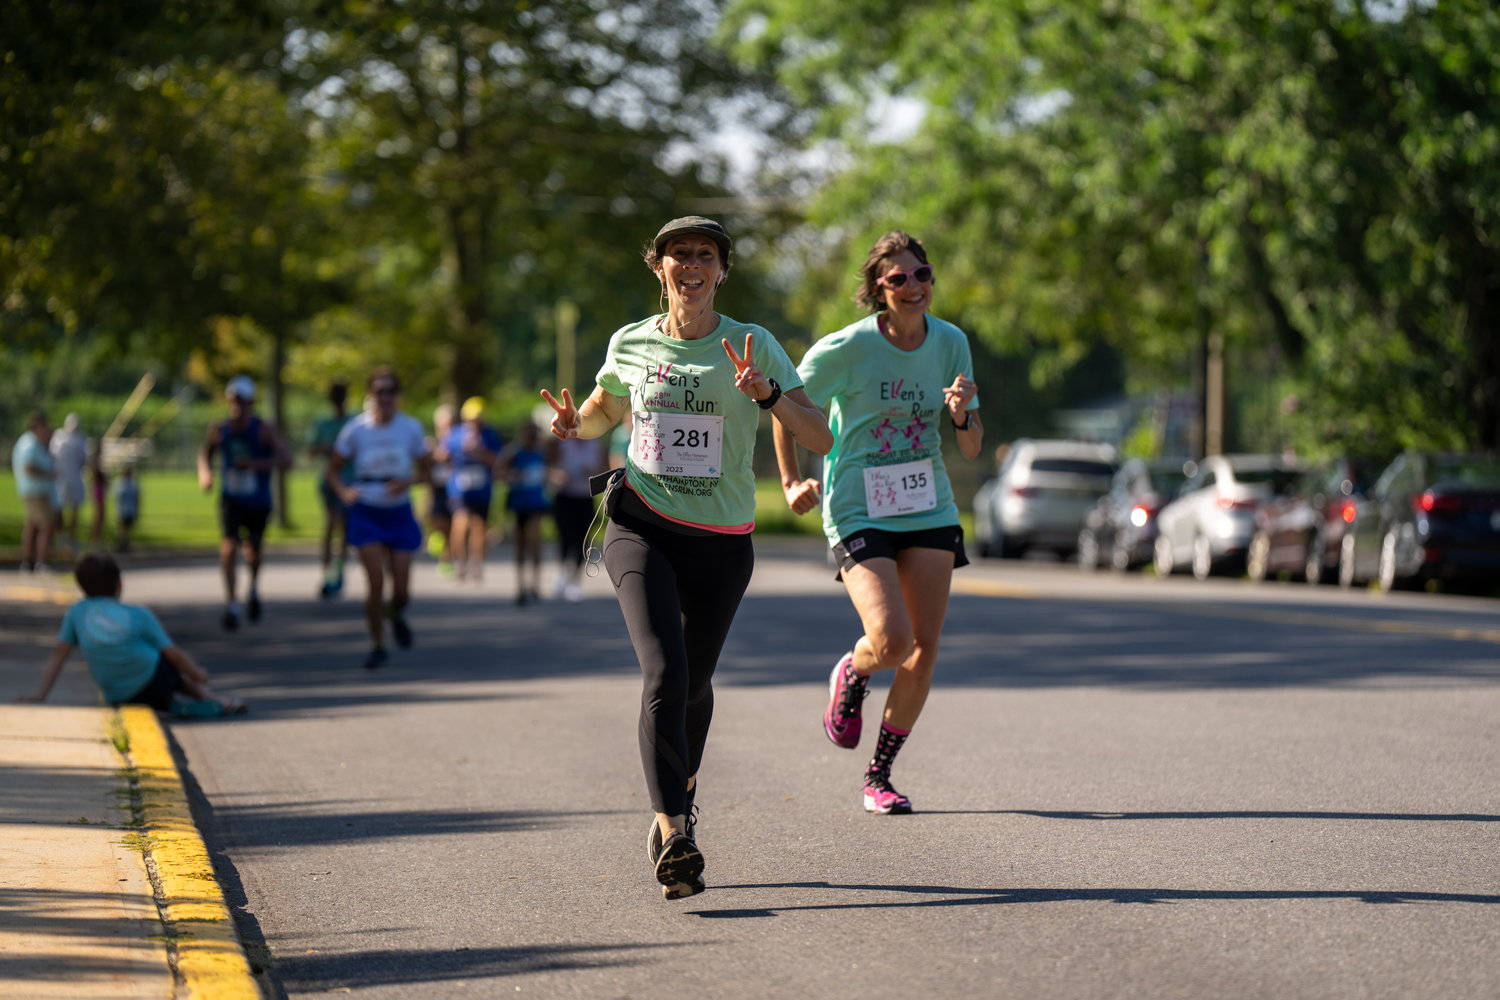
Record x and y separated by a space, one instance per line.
394 527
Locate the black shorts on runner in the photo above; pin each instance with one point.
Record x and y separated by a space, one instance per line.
876 543
233 517
477 504
525 517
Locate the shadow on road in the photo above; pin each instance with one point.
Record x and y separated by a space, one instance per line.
1268 814
992 897
280 825
306 657
309 974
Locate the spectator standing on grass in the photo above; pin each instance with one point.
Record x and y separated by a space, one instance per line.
320 446
575 461
98 490
127 507
388 452
251 448
130 655
31 461
70 453
472 448
523 463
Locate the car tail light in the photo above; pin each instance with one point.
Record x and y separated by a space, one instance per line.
1026 491
1348 513
1229 503
1431 501
1139 515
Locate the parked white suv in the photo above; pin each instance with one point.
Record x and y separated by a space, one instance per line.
1210 524
1041 496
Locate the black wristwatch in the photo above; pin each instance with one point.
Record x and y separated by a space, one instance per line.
770 401
960 426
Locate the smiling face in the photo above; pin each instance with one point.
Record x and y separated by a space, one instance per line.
690 270
912 298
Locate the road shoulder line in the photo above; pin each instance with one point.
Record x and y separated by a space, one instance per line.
210 959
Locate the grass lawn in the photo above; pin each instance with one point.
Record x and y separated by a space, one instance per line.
176 514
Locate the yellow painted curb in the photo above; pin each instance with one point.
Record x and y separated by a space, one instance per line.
45 595
210 959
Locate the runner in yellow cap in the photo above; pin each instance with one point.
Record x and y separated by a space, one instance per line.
472 448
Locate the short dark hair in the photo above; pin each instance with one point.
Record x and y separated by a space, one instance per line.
338 392
383 372
868 296
35 419
98 574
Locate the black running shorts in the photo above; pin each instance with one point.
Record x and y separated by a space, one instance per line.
875 543
234 516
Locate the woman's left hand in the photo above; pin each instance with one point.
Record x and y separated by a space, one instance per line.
749 379
957 397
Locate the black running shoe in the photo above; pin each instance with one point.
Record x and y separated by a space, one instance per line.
229 620
679 867
377 658
252 607
653 836
402 631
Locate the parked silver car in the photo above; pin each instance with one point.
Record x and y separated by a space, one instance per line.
1041 496
1209 526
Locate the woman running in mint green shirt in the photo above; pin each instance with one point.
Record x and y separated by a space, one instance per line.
889 381
681 510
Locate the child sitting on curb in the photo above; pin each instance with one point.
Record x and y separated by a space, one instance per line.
129 654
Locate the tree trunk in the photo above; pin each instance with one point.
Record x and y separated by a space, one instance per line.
466 257
278 415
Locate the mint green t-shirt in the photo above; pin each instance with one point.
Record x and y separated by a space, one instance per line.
885 407
694 379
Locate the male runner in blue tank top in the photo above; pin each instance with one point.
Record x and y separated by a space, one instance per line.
251 448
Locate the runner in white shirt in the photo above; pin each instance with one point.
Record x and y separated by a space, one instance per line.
388 450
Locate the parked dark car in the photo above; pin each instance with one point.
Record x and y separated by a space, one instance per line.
1428 517
1301 531
1120 532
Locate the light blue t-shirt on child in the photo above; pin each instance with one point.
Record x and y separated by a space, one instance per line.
122 643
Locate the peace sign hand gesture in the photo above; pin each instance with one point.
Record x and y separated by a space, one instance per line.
565 418
748 379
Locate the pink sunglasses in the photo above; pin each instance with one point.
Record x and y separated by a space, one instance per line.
897 279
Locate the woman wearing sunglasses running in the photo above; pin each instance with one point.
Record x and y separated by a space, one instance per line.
678 541
889 512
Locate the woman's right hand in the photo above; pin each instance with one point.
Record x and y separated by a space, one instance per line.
565 419
802 497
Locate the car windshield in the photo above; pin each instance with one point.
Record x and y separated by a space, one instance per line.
1471 470
1076 466
1278 479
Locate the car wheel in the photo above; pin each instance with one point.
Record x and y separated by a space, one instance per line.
1346 560
1203 558
1162 558
1313 568
1387 577
1088 550
1119 557
1260 555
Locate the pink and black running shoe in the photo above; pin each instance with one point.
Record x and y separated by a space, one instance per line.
882 799
842 721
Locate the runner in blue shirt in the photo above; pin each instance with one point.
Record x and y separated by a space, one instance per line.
523 463
251 448
472 448
889 381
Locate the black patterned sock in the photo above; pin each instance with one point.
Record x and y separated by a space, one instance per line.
886 749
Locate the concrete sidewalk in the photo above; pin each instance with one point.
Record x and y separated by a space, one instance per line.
106 889
78 916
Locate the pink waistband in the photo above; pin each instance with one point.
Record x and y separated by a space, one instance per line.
733 529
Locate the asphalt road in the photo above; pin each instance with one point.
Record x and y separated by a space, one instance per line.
1125 788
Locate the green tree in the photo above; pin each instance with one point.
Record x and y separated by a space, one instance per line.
1315 175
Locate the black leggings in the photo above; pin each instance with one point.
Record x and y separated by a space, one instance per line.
573 516
679 594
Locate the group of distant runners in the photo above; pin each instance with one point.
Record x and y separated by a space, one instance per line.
679 499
